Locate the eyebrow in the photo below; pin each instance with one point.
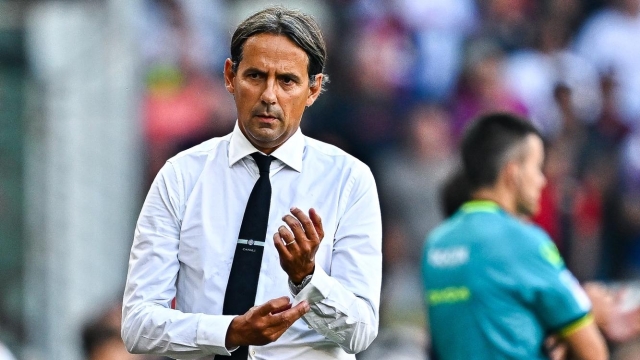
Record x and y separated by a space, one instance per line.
293 76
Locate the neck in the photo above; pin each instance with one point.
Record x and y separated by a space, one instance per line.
503 198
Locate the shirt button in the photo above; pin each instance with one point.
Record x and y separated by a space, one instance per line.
253 352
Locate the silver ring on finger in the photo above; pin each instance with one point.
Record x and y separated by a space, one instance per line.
289 243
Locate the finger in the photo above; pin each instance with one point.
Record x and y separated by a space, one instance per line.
559 352
307 225
550 342
288 238
272 305
290 316
297 229
281 309
280 245
282 321
317 223
556 349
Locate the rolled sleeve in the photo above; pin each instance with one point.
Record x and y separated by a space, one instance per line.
344 303
317 289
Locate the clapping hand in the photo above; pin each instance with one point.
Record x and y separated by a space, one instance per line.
265 323
298 244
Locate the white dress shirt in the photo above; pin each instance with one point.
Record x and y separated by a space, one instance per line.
186 236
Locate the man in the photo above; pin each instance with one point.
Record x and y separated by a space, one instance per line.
204 236
496 287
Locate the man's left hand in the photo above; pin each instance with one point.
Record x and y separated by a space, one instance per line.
298 244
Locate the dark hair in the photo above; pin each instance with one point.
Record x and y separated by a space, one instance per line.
300 28
95 335
454 192
487 144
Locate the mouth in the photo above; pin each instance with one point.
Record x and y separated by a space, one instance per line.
266 117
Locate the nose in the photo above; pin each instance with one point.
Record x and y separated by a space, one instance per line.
268 95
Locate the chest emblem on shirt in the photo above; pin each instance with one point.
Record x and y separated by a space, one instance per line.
448 257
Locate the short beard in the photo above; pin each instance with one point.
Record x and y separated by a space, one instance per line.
523 210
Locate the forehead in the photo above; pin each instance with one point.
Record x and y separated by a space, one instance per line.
274 52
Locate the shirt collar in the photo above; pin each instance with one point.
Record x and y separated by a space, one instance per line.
289 153
480 206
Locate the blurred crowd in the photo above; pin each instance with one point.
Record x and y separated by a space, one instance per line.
406 77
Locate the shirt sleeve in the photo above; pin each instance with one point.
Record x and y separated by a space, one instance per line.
555 295
149 325
344 303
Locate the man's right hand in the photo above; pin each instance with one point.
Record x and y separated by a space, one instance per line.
265 323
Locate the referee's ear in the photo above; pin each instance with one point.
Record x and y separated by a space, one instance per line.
510 175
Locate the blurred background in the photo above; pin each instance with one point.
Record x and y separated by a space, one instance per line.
96 95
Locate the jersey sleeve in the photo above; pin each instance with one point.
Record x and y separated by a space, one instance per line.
549 288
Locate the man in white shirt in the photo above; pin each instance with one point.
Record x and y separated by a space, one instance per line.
323 238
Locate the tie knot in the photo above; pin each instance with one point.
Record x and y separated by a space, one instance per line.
263 161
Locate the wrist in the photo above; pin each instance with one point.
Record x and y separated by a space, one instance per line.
298 278
230 341
296 288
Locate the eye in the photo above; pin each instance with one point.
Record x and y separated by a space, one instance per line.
254 76
287 80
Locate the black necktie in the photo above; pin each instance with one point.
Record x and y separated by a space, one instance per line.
245 270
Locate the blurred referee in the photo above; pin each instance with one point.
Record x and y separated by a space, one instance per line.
496 287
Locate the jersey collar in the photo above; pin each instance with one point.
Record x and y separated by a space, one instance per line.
480 206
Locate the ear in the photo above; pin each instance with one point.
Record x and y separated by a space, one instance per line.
229 76
314 91
511 174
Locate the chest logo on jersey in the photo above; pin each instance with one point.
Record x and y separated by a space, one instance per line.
448 257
